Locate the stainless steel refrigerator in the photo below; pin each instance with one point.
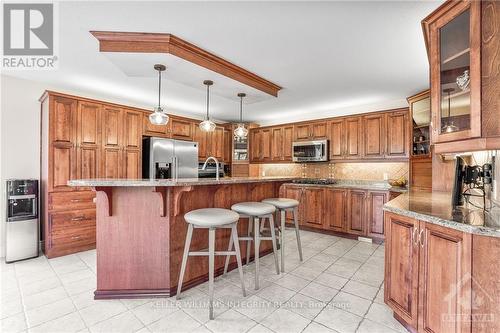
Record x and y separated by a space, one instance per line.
169 159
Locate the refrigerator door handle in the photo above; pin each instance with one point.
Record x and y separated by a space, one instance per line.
176 167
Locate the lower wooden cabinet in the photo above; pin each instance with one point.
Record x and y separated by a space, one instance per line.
352 211
314 203
336 202
356 210
428 275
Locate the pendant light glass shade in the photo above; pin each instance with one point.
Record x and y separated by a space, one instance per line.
240 131
159 117
207 125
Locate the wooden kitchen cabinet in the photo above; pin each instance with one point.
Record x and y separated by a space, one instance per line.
397 144
374 142
353 138
336 203
348 211
202 138
311 131
426 289
287 134
462 40
375 213
294 192
277 144
150 129
122 143
61 131
216 143
401 267
337 139
181 129
356 212
314 206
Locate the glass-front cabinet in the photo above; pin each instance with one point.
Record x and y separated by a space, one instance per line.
420 109
454 50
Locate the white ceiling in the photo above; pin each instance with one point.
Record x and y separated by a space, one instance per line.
331 58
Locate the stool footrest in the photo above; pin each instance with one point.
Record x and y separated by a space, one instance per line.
217 253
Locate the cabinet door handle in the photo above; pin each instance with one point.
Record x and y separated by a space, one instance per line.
415 236
76 200
76 237
421 236
79 218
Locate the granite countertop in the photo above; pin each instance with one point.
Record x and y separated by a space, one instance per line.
359 184
179 182
435 207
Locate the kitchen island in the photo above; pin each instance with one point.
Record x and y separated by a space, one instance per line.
140 230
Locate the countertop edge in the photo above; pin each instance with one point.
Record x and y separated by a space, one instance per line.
476 230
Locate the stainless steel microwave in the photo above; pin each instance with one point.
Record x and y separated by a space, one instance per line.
310 151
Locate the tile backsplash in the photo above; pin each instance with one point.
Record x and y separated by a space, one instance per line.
353 171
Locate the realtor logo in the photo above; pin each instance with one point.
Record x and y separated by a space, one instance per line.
28 36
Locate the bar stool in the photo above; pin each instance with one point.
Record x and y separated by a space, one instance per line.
286 205
211 219
255 211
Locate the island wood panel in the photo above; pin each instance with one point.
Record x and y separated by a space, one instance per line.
132 243
401 267
139 251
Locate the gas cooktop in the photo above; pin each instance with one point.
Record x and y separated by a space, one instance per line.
315 181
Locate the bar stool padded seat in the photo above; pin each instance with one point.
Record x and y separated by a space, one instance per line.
253 208
282 203
211 217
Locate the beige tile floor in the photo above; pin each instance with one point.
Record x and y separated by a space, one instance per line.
338 288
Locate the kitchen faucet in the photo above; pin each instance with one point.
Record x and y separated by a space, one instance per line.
216 166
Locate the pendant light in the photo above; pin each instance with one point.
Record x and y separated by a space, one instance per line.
449 127
159 117
240 131
207 125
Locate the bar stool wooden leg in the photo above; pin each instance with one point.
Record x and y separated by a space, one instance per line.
297 232
249 242
184 259
282 240
257 247
211 264
229 249
234 236
273 236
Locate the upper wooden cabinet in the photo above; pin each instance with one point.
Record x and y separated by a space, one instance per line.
210 143
463 39
181 129
277 144
149 129
337 139
397 138
374 129
287 135
88 140
310 131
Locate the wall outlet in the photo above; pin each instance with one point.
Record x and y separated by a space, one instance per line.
263 173
386 176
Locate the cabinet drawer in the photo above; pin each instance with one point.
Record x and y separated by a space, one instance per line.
66 221
71 200
73 238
